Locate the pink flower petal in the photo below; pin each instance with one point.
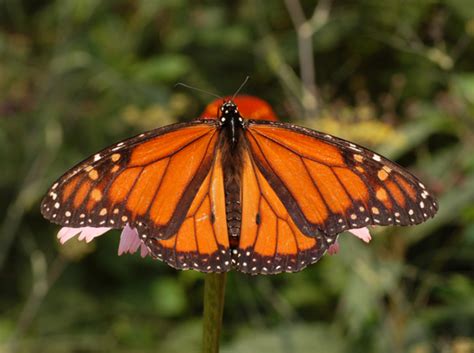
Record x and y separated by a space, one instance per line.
89 233
362 233
143 250
85 233
67 233
333 248
129 239
130 242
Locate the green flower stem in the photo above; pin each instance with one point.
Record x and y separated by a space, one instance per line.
214 288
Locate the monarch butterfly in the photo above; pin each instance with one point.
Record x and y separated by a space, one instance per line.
222 193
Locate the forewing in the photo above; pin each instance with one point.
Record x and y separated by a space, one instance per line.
329 185
148 181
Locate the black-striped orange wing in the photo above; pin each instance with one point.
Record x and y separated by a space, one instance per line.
166 183
326 185
270 240
201 242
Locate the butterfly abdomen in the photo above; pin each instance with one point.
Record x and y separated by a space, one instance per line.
232 168
233 212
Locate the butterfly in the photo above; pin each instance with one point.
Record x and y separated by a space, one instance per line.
225 192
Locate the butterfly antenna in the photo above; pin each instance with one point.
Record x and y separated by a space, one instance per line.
198 89
241 86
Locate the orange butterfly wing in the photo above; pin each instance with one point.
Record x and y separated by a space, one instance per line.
149 181
201 242
270 242
329 185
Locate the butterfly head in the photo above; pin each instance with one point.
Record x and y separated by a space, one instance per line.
231 120
230 112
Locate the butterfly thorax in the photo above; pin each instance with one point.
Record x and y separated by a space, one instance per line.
232 143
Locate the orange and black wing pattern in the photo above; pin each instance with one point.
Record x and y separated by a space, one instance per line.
270 241
329 185
149 182
201 242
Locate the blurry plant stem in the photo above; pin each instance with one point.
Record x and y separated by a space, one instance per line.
16 209
214 289
305 29
44 277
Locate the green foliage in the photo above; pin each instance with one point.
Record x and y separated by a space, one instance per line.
396 76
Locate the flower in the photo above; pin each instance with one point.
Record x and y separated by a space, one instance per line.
130 241
361 233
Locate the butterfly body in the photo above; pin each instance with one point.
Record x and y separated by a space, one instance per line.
230 193
231 141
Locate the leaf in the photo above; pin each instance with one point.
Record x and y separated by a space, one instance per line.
289 338
168 297
463 85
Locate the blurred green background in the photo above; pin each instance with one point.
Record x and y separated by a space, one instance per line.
396 76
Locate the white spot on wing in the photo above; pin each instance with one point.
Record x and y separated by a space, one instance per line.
354 147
